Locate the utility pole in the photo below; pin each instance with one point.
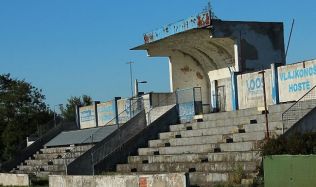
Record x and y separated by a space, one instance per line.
265 104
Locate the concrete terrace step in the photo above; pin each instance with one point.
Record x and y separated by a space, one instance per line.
272 117
205 148
47 161
66 149
51 156
198 132
212 139
42 168
187 167
228 123
40 173
210 157
209 179
254 111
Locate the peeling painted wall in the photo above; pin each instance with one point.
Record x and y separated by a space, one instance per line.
87 117
106 113
188 73
250 89
228 94
296 79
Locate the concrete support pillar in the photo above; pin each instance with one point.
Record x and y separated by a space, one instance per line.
275 84
95 103
213 96
77 116
234 91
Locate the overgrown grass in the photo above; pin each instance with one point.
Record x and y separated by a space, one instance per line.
296 144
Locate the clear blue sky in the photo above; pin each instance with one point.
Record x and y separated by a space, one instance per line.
74 47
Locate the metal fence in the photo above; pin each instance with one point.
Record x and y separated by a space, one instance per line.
189 103
299 109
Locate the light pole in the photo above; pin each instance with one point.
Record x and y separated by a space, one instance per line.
131 76
136 86
60 105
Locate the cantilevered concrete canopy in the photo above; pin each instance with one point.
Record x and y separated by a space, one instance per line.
210 53
202 51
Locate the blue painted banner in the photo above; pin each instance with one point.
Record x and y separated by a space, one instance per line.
200 21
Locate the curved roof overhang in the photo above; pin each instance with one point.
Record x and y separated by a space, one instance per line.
210 53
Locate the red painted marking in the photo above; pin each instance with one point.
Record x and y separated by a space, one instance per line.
142 182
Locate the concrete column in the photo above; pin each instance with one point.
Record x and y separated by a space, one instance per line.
275 84
234 91
95 103
213 96
77 116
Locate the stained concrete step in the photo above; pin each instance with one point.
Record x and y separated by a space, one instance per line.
40 174
42 168
258 119
209 179
48 162
219 130
187 167
205 148
212 139
56 155
254 111
206 157
232 114
66 149
209 125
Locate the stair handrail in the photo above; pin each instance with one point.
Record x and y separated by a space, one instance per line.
116 117
117 148
293 105
172 94
30 150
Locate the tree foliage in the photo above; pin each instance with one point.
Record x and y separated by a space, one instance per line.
22 111
69 112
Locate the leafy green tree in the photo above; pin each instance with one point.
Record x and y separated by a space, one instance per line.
69 112
22 111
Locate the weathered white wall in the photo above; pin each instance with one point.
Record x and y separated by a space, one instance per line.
228 92
187 73
87 117
160 180
296 79
250 89
106 113
7 179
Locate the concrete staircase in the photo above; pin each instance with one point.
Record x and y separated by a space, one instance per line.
210 151
52 160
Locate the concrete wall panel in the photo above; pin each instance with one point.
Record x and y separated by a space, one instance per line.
250 89
296 79
87 117
7 179
106 112
160 180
